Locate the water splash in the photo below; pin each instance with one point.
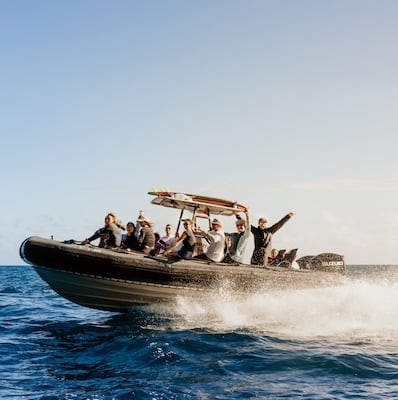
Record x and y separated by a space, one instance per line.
358 310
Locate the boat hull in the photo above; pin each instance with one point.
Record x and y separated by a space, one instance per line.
117 281
106 293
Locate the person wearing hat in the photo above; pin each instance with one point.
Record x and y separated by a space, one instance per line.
263 239
146 241
216 236
238 240
187 240
140 217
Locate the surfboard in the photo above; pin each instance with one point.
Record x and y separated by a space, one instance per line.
197 203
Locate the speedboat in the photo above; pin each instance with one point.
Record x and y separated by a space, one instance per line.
117 280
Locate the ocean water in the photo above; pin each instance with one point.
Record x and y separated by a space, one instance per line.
334 343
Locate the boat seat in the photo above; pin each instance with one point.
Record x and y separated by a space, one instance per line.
291 255
201 244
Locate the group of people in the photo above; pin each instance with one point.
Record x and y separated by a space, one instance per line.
139 236
214 245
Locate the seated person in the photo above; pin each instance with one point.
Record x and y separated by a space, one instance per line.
227 249
187 240
202 244
165 241
115 220
146 241
129 240
216 236
274 260
109 235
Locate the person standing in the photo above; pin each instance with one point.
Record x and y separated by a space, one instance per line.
239 239
263 239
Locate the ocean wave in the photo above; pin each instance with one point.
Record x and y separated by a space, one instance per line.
339 342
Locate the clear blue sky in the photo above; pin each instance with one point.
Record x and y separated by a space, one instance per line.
281 105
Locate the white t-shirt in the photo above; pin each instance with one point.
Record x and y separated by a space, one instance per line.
217 244
168 241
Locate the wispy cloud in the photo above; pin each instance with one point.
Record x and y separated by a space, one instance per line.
345 184
356 185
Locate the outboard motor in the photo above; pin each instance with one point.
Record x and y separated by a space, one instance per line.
329 262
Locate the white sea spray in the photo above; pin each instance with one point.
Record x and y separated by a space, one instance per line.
357 310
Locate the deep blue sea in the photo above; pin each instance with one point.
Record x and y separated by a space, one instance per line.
335 343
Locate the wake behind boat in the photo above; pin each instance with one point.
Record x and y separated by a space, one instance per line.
117 280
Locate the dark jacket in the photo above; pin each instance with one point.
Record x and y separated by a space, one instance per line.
130 242
263 241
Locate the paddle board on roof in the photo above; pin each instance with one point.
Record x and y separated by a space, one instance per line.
197 203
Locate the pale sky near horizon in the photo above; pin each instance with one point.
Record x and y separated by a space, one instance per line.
280 105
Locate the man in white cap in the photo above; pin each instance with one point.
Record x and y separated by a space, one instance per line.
216 236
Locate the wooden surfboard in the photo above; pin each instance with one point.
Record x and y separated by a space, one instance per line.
198 203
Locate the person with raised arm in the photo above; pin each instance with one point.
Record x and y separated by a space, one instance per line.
263 239
238 240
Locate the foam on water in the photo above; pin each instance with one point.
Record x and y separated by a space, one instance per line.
313 344
358 310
